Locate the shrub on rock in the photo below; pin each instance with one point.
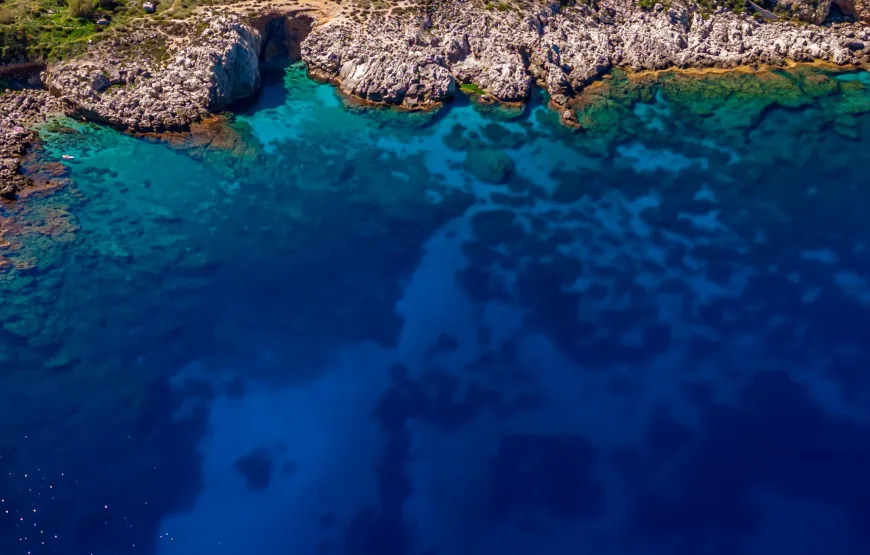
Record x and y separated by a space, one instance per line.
82 9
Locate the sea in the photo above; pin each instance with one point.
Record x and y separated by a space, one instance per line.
321 328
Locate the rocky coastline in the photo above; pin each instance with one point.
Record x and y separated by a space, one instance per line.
160 78
19 111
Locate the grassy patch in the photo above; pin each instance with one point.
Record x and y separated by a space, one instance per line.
471 89
706 7
82 9
45 30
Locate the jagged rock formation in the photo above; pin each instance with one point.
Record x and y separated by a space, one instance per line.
386 67
819 11
161 78
18 110
859 9
682 37
415 61
153 81
412 61
813 11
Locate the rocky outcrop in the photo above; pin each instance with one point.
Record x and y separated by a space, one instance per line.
859 9
819 11
149 80
391 65
154 80
19 110
680 36
161 78
812 11
414 60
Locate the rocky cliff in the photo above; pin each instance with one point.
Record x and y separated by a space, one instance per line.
859 9
157 79
154 80
820 11
165 77
18 111
414 60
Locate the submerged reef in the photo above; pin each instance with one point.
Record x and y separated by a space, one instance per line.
726 105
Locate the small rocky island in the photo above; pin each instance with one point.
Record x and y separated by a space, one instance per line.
156 67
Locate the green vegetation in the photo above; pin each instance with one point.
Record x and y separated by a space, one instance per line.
82 9
706 6
471 89
44 30
736 6
501 6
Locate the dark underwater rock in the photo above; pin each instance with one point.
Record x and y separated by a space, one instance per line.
457 139
490 165
256 467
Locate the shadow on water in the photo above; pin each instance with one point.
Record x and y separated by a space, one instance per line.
272 92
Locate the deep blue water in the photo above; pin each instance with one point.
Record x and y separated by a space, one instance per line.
365 332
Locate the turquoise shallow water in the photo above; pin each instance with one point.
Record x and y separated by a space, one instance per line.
336 330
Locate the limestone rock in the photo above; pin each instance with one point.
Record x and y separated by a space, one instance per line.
411 61
859 9
156 79
414 61
19 110
813 11
160 84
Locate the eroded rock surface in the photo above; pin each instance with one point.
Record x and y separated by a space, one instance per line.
159 79
859 9
18 111
166 77
414 59
155 80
